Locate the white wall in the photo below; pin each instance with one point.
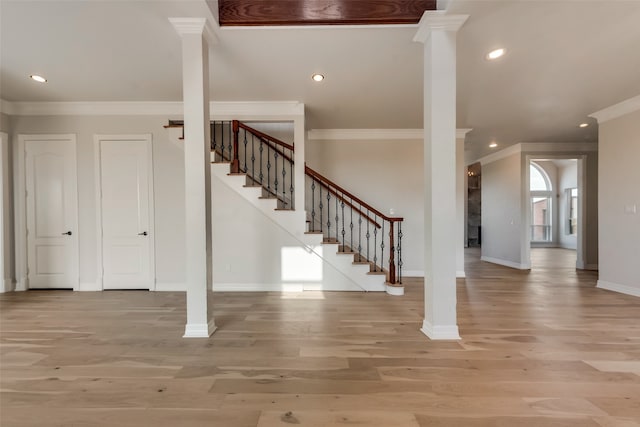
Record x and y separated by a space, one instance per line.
619 257
168 164
387 174
567 178
502 212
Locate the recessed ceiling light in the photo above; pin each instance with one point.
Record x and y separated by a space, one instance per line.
38 78
493 145
317 77
495 54
584 125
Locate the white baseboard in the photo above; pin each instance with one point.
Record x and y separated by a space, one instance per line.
413 273
616 287
7 285
171 287
506 263
460 274
89 286
261 287
199 330
440 332
21 285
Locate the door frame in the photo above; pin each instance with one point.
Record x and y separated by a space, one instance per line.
97 141
6 284
20 206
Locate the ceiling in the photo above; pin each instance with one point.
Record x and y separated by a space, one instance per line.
565 60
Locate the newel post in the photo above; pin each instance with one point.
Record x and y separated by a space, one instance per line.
235 163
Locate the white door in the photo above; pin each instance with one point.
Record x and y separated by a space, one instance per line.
52 213
126 202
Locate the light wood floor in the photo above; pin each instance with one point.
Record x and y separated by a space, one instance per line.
539 348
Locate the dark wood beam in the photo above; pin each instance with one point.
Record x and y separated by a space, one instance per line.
322 12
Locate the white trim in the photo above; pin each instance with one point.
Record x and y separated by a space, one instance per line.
257 109
171 287
440 332
437 20
7 107
506 263
460 274
7 285
197 26
5 282
199 330
373 134
20 212
413 273
539 147
148 139
266 287
616 287
617 110
394 290
90 286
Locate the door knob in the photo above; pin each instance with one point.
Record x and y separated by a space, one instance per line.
144 233
68 233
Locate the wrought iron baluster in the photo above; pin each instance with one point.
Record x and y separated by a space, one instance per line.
284 179
253 158
222 141
351 224
313 204
360 233
275 171
268 168
375 243
230 147
320 206
328 213
342 232
291 180
399 252
382 245
214 142
337 240
367 236
245 150
261 149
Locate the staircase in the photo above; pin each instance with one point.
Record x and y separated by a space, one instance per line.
361 245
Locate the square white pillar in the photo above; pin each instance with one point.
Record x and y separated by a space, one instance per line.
461 200
438 33
197 155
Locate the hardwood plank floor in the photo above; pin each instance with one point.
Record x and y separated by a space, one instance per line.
539 348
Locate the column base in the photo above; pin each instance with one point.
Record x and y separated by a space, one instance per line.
440 332
199 330
460 274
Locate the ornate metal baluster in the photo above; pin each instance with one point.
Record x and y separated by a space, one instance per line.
399 252
337 240
222 141
375 243
230 146
367 236
313 204
320 206
351 224
342 232
275 171
360 233
382 246
328 213
268 168
261 149
284 176
245 150
214 142
291 181
253 158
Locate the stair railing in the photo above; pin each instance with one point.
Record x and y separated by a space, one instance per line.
355 225
267 161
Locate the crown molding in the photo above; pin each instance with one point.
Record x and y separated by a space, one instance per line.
437 20
281 109
540 148
198 26
372 134
613 112
461 133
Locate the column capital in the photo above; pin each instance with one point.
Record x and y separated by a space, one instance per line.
461 133
195 26
437 20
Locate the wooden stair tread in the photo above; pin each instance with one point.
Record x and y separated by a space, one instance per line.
377 273
236 174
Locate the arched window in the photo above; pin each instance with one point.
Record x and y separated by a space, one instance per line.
541 204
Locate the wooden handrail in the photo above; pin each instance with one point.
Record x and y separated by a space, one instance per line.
330 183
351 205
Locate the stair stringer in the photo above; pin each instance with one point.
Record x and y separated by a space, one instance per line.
342 273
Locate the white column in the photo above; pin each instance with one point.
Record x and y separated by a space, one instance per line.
195 78
461 190
438 33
